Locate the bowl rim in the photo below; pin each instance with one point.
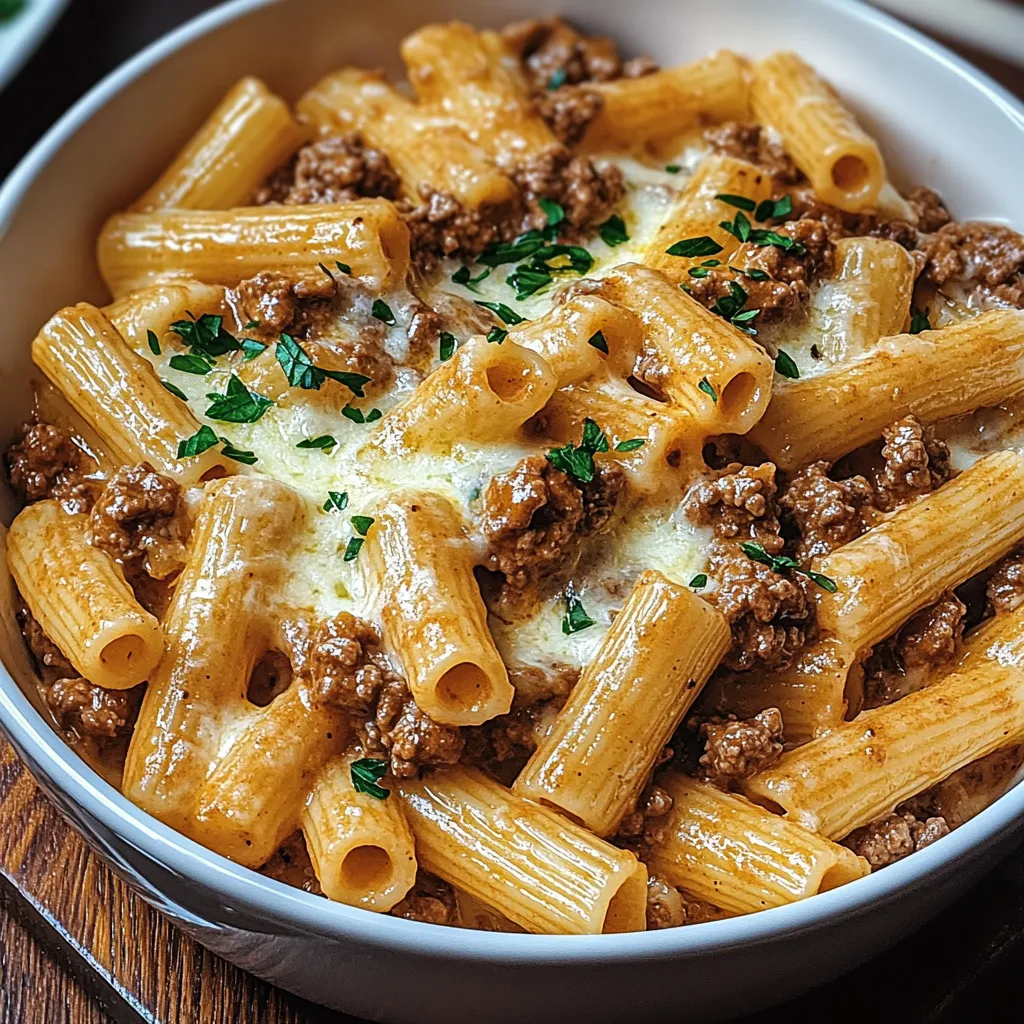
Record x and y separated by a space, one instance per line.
304 913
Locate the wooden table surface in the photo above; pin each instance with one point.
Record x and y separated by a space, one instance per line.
77 946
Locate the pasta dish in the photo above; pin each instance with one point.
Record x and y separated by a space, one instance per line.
553 494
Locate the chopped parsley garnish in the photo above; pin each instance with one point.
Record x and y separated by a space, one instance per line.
919 322
252 348
773 209
174 390
706 386
512 252
784 364
740 202
343 267
362 524
496 335
202 440
366 773
461 276
528 281
336 501
730 307
739 227
350 412
447 346
699 581
760 236
503 313
613 231
575 617
538 273
552 210
631 445
229 451
252 325
154 343
557 80
578 461
754 275
779 563
324 442
206 336
704 269
705 245
238 404
191 364
352 549
301 372
381 311
673 168
599 342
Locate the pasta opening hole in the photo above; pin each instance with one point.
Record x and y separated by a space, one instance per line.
213 473
641 387
120 656
366 867
837 875
627 909
850 173
509 380
675 458
271 676
464 687
737 395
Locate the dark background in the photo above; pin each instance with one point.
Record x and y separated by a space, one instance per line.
963 966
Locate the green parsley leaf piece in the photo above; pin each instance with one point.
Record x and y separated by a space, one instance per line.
503 313
366 773
206 336
373 415
774 209
779 563
252 325
323 442
382 311
739 228
557 80
754 275
575 462
825 582
362 524
355 382
447 346
760 236
461 276
496 335
705 245
528 280
229 451
631 445
575 617
354 546
343 267
350 412
336 501
699 271
302 373
784 364
191 364
199 442
154 343
511 252
252 348
594 439
174 390
238 404
919 322
673 168
613 231
699 581
740 202
746 316
552 210
599 342
706 386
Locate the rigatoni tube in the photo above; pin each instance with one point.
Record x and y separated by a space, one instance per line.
431 610
155 309
541 871
740 857
79 596
651 665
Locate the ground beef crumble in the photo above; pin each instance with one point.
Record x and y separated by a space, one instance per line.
335 169
739 748
430 900
569 110
894 837
351 673
744 140
1004 591
534 517
439 225
988 255
140 521
49 658
90 710
46 463
669 907
916 463
645 824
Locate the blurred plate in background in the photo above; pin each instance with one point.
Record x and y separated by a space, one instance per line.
22 28
996 26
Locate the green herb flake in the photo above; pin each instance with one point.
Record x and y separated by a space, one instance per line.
202 440
174 390
154 343
631 445
206 336
337 501
613 231
238 404
754 275
740 202
919 322
252 325
366 773
552 210
496 335
557 80
577 461
352 549
350 412
229 451
575 618
302 373
673 168
739 228
191 364
381 311
461 276
252 348
447 346
699 581
599 342
502 312
324 443
362 524
691 248
774 209
780 563
785 366
706 386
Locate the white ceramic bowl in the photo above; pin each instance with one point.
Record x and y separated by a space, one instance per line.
940 122
22 35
